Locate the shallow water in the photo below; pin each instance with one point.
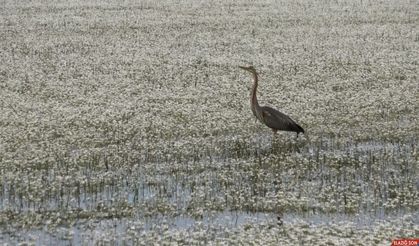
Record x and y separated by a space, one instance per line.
183 199
123 230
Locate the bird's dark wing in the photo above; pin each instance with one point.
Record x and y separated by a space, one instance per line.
279 121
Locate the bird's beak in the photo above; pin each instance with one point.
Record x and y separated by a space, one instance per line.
245 68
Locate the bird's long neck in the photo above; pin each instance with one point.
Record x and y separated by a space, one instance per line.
253 99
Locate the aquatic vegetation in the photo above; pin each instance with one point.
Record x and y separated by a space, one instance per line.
130 122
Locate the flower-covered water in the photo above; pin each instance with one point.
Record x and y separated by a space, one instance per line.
129 122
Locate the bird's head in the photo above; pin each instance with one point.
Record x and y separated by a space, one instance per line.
249 68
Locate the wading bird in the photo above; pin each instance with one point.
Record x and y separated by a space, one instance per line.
274 119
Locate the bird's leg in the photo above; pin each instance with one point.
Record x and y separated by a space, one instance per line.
296 147
273 137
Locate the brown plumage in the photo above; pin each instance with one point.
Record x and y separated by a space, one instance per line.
271 117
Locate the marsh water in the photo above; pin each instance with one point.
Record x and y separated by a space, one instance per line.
128 123
364 196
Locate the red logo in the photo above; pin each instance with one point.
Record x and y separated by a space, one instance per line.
405 242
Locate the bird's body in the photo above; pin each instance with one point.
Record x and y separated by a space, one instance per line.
272 118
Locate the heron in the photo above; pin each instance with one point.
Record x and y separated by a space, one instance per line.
271 117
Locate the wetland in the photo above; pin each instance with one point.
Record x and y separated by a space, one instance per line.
129 123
